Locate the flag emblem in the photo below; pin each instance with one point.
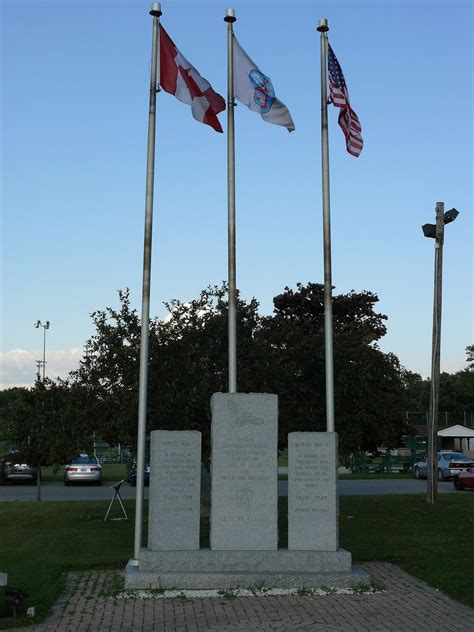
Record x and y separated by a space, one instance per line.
264 94
255 90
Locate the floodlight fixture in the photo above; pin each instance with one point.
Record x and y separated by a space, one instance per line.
450 215
429 230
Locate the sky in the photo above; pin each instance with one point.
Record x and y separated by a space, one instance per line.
74 117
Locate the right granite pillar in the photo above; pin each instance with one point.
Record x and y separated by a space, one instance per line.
313 507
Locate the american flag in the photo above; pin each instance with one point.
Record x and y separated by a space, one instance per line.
348 120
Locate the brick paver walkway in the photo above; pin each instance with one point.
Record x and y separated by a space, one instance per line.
405 605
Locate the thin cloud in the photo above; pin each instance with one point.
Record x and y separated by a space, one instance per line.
18 366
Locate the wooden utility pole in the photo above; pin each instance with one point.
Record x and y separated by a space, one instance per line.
432 487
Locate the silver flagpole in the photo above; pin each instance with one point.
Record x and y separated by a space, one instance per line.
145 327
323 28
232 283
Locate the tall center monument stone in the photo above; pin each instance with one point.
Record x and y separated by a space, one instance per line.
244 492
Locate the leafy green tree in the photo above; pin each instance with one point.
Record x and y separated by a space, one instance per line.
282 353
187 364
109 373
470 357
43 426
456 394
7 398
367 382
416 392
188 360
457 391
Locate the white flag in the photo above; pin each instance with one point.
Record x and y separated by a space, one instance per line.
255 90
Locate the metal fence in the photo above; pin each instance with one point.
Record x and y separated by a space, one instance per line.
445 418
112 454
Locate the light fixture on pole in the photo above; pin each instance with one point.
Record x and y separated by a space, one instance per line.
45 326
436 231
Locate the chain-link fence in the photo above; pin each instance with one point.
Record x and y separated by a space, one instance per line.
112 454
445 418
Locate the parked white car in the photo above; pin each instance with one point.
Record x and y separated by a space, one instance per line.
449 464
83 469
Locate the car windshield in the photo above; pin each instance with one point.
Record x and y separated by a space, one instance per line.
455 456
85 460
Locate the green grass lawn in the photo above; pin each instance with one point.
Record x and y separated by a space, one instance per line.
40 541
357 476
432 542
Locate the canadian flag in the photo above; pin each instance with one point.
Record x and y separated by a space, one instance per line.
179 77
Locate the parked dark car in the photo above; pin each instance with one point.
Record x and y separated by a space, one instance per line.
14 470
132 473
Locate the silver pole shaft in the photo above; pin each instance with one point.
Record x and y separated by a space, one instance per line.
432 486
232 282
328 333
145 326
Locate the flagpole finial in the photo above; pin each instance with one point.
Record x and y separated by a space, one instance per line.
230 15
323 25
156 10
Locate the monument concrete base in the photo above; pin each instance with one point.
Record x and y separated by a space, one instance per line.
207 569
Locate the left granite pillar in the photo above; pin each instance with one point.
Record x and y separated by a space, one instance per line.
175 490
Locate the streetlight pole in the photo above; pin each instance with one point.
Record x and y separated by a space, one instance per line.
45 326
436 231
39 364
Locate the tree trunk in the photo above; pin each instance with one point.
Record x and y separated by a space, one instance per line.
38 483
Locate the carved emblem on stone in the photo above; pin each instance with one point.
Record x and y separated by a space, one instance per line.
244 497
242 417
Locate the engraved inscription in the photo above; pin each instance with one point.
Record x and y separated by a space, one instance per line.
244 472
311 474
312 495
178 472
245 465
175 487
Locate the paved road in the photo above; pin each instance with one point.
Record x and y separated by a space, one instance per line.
57 491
